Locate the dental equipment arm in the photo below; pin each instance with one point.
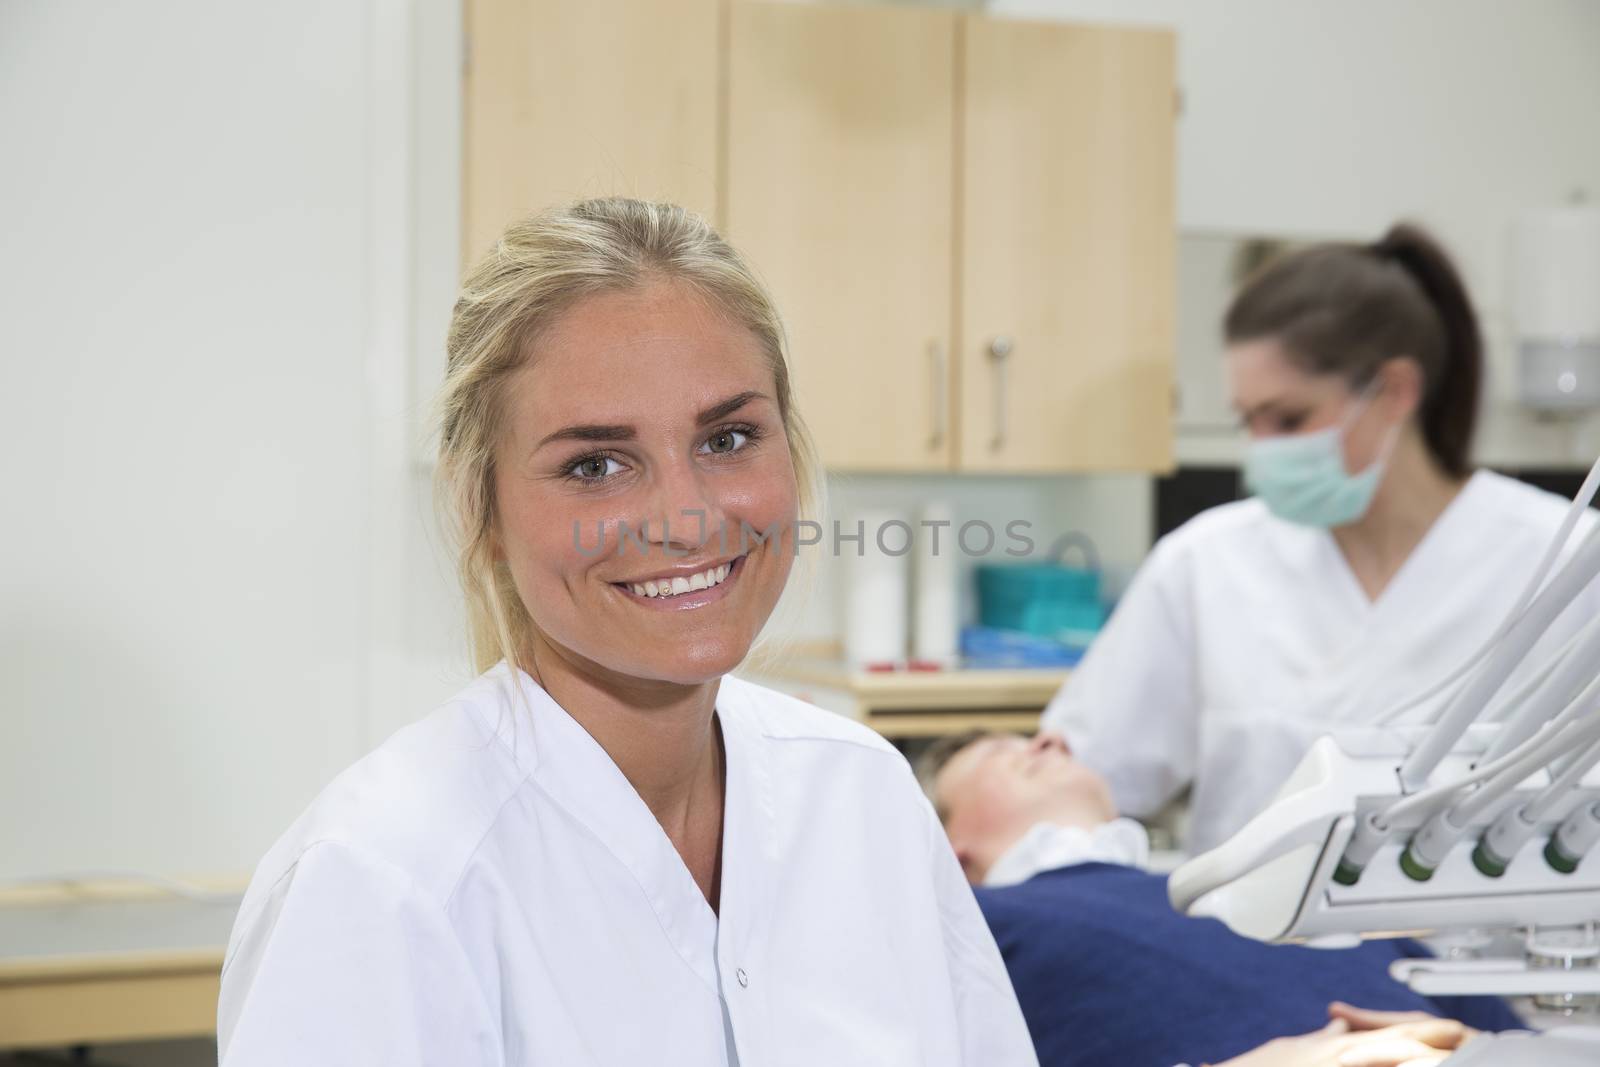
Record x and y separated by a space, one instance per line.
1461 824
1429 846
1522 761
1561 737
1569 522
1505 838
1558 681
1469 701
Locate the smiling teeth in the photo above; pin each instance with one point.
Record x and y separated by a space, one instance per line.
675 586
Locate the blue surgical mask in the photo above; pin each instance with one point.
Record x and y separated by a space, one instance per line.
1301 477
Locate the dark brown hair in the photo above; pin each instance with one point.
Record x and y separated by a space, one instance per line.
1346 309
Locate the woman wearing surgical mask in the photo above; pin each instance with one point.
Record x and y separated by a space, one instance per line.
1371 559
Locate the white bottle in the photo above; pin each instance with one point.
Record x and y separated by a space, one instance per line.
935 600
875 572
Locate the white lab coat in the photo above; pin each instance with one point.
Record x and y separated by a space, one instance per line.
486 888
1244 637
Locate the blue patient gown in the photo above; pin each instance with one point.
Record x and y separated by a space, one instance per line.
1108 973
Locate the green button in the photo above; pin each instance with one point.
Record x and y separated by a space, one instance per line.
1413 867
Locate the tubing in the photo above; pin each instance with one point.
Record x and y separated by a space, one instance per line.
1469 701
1540 806
1547 744
1559 681
1434 840
1569 522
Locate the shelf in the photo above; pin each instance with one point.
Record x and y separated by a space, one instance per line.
915 704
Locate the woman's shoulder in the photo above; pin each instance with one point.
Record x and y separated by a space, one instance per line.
1241 526
1510 503
806 753
807 747
781 717
418 803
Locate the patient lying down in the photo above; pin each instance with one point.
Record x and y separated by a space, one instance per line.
1108 973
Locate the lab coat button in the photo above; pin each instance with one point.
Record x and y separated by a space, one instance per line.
744 979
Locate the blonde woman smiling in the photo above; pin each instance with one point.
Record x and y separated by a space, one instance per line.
606 851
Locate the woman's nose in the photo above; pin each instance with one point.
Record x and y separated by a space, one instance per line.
685 514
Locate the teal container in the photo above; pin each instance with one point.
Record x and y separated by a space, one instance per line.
1045 599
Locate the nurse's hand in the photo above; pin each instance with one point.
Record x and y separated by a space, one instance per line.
1420 1042
1367 1019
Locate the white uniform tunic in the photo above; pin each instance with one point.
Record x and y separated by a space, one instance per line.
1244 637
487 888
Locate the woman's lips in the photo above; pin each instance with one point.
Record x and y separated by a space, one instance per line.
693 598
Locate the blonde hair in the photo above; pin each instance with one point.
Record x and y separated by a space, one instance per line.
540 267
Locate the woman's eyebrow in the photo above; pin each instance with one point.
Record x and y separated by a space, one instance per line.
723 409
620 432
589 433
1266 407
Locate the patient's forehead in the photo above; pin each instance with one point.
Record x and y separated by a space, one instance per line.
969 759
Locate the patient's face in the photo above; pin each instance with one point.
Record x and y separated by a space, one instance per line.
998 787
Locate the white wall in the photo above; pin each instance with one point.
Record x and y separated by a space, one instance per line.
1302 116
204 276
1313 117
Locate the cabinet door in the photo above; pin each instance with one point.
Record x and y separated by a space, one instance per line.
566 99
840 168
1068 241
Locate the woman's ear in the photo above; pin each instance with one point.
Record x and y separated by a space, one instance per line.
969 865
1403 386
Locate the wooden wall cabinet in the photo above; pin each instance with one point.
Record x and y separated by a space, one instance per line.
1068 247
967 222
969 225
565 99
841 132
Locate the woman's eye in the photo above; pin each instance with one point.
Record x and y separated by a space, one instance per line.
594 468
727 441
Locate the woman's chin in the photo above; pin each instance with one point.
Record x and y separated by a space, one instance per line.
681 658
673 663
697 664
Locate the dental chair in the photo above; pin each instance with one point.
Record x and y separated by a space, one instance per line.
1467 813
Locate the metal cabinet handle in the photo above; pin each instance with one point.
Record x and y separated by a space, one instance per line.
999 350
940 401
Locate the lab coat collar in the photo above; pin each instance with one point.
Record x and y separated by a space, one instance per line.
578 775
1047 846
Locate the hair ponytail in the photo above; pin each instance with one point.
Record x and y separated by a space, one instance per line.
1450 411
1346 309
